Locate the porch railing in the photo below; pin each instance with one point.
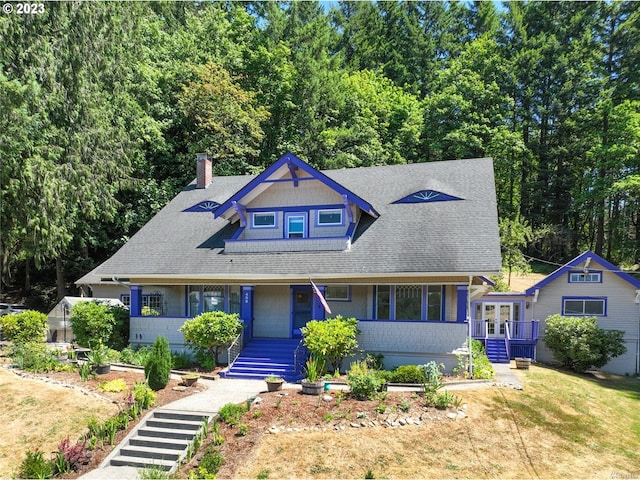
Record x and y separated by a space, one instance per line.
479 328
234 350
514 330
300 355
507 337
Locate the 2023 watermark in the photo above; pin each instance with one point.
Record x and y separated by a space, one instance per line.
23 8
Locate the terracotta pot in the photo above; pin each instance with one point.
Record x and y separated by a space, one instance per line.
274 385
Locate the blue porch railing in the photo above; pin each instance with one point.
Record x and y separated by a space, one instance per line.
519 340
514 330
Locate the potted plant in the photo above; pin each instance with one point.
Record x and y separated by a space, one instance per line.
274 383
190 379
313 384
98 358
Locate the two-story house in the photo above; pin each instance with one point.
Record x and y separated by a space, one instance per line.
402 248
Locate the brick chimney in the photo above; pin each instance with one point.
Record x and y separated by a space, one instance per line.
204 171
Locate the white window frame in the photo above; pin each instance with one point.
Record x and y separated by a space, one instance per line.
332 211
585 277
253 220
584 301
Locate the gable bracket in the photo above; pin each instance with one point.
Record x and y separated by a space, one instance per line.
347 206
292 171
242 213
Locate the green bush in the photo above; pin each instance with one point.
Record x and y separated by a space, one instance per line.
143 396
92 323
231 413
158 367
211 462
119 337
212 331
363 382
180 361
25 327
334 338
135 355
482 368
37 358
407 374
580 344
35 466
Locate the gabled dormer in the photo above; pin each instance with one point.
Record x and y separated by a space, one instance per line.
292 207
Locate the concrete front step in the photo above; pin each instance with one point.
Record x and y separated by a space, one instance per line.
161 440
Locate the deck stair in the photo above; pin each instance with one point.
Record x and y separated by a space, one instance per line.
161 440
266 356
497 350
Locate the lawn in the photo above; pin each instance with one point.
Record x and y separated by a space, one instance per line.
560 426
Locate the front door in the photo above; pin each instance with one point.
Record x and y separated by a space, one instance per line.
301 308
496 315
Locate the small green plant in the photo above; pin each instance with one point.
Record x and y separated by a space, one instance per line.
158 367
35 466
443 400
205 359
327 417
68 456
114 386
231 413
211 461
369 474
404 405
143 396
180 361
407 374
339 397
243 429
314 368
375 361
363 383
153 473
217 438
257 414
263 475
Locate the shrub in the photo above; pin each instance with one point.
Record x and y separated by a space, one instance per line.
69 455
115 386
407 374
35 466
143 396
35 357
212 331
180 361
120 334
210 464
231 413
26 327
158 366
92 322
580 344
482 368
363 382
334 338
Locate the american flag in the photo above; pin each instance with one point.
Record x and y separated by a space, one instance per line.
317 291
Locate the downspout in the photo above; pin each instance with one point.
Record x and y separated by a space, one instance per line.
469 332
638 339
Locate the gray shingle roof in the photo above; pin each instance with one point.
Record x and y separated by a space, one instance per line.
429 238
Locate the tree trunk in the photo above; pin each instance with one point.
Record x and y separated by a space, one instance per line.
60 278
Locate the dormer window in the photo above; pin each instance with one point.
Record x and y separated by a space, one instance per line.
264 220
296 225
330 217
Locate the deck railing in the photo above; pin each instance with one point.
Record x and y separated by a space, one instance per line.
479 328
234 350
514 330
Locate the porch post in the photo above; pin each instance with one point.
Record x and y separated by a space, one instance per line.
317 310
246 310
135 300
461 303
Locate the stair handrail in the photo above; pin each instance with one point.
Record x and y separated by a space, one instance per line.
507 338
300 355
234 350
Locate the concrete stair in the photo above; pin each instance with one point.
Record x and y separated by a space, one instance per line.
160 441
263 357
497 350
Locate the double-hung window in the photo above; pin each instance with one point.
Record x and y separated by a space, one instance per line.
295 225
584 306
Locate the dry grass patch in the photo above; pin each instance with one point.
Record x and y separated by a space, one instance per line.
35 414
561 426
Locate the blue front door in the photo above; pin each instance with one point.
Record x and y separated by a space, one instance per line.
301 308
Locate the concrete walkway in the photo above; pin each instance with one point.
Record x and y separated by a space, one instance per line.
219 392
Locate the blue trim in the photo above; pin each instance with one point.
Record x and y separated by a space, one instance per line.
290 159
444 303
487 280
135 300
461 303
395 322
285 239
582 272
282 180
427 196
295 208
292 171
237 234
577 261
578 298
260 227
425 302
392 302
317 217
